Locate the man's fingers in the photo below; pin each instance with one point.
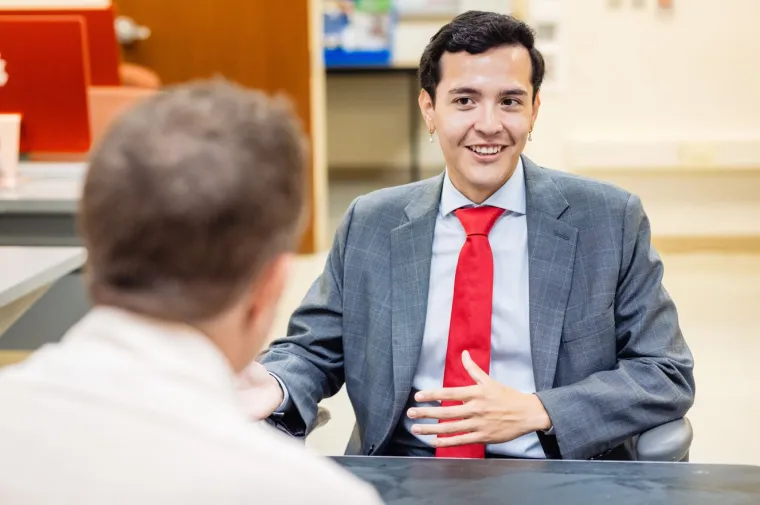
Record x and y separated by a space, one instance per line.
463 439
461 394
463 426
452 412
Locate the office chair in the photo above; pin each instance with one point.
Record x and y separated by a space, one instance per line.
669 442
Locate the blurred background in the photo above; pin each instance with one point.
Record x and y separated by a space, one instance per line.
660 97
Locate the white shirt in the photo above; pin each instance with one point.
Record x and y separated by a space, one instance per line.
511 360
127 410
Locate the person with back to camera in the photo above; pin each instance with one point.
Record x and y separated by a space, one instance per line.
191 209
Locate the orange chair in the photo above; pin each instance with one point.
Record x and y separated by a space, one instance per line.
137 76
106 104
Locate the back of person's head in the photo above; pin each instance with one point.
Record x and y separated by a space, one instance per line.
192 204
477 32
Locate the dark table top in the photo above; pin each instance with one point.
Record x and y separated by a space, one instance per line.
422 481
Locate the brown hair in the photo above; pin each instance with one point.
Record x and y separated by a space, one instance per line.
188 196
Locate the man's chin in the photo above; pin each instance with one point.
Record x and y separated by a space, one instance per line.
488 178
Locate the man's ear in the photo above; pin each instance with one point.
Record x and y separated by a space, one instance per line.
268 288
536 106
427 107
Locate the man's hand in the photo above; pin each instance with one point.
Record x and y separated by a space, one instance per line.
490 413
260 393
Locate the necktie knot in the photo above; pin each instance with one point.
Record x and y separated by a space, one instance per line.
478 220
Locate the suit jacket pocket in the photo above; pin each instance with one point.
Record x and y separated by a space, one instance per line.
588 346
591 326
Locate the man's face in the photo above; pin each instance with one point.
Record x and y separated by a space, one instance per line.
483 113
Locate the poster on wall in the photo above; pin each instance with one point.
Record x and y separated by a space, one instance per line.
357 33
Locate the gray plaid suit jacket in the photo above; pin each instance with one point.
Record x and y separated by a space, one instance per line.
608 355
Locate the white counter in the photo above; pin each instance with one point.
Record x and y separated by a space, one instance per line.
27 272
52 188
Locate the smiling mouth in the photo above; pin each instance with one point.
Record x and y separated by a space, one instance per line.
486 150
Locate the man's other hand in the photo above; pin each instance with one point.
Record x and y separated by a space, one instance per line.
259 391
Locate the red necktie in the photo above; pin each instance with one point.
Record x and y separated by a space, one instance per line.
470 328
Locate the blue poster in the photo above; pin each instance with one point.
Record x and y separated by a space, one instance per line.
357 33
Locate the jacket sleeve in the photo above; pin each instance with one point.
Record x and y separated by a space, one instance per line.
653 382
309 361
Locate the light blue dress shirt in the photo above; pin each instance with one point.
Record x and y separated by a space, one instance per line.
511 361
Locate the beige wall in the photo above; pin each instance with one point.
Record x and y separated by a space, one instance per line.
642 89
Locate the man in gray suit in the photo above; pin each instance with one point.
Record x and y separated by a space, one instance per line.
500 309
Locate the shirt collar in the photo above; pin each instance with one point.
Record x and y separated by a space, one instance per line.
511 196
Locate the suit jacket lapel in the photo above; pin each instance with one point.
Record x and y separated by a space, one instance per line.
411 255
551 250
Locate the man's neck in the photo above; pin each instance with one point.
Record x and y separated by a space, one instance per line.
480 195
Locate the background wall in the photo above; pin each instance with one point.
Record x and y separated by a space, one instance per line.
642 88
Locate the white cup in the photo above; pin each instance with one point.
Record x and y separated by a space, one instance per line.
10 136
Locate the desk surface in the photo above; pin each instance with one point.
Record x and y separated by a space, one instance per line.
26 269
423 481
52 188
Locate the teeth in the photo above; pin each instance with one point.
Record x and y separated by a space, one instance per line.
486 150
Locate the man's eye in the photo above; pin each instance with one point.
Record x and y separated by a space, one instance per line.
464 101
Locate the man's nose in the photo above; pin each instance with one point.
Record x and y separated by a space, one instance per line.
488 122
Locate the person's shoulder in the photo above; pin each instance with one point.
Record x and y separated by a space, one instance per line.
392 201
592 204
276 459
582 190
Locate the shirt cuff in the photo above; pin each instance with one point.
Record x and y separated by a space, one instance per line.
285 405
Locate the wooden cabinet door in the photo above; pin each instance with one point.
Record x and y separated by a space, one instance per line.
257 43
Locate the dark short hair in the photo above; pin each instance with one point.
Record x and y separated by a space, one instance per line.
476 32
188 197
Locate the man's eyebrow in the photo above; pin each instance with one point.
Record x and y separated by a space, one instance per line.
463 90
513 92
466 90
